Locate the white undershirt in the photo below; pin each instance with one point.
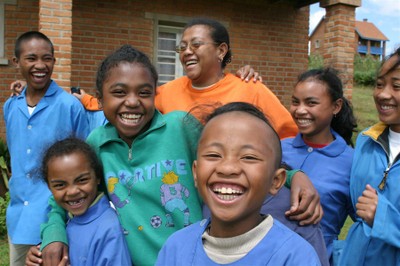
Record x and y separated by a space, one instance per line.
228 250
394 145
31 109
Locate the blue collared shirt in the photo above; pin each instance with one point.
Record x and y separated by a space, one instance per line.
57 115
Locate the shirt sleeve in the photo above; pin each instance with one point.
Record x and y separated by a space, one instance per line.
386 225
90 102
276 113
54 230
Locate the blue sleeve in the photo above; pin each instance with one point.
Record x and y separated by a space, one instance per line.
386 225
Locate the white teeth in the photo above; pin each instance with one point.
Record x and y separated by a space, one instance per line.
130 118
304 121
40 75
386 107
228 191
72 203
227 197
191 62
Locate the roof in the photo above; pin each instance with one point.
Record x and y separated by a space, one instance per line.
369 31
366 30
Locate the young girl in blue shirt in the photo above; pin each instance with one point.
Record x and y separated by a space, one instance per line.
322 149
73 174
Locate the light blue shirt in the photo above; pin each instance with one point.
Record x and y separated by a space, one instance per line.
57 115
329 170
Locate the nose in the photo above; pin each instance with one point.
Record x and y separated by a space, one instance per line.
384 93
229 167
40 64
188 50
132 101
72 190
300 109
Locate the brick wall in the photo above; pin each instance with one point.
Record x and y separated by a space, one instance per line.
339 46
273 38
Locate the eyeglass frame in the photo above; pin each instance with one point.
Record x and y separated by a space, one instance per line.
192 45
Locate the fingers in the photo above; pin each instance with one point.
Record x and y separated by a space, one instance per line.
64 261
53 253
308 210
77 95
16 87
367 204
33 257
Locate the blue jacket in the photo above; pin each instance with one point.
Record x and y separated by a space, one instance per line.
379 244
97 238
57 115
281 246
329 170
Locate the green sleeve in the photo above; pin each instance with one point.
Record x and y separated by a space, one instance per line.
289 176
54 229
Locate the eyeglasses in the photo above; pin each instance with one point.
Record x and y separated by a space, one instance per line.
192 45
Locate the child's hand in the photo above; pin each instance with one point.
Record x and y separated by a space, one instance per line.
55 254
366 205
34 256
79 96
304 198
16 87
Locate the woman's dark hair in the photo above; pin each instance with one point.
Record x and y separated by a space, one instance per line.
219 34
72 145
344 122
127 54
27 36
251 110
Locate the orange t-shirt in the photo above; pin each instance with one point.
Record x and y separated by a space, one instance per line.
180 95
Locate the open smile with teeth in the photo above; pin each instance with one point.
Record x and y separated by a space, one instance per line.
39 75
75 203
130 118
304 122
190 62
387 107
227 193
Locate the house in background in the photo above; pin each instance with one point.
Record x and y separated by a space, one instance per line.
369 40
270 35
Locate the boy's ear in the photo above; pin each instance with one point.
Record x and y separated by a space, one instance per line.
99 100
194 167
278 181
15 62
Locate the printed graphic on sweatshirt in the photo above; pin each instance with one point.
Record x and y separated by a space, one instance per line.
172 193
172 198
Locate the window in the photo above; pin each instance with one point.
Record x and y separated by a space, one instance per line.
167 60
317 44
3 60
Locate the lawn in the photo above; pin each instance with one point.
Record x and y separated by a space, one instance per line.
364 109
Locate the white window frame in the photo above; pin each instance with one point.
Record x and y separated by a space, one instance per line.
3 59
173 24
178 35
317 44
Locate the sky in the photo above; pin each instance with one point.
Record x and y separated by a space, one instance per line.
385 14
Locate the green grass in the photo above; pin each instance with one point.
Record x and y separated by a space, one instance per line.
365 112
364 107
4 256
